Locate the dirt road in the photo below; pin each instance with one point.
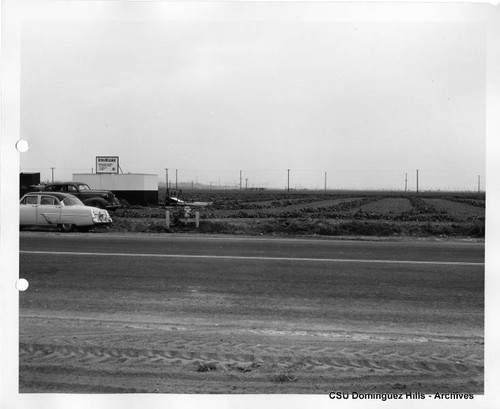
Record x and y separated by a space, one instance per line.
260 317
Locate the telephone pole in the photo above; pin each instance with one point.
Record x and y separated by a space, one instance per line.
166 177
479 183
52 169
176 178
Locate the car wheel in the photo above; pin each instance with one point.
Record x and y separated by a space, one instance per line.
66 227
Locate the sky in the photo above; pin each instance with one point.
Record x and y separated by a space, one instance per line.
360 103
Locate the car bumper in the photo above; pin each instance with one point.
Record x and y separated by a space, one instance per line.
102 222
101 217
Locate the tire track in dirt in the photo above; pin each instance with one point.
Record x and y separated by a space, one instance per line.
227 355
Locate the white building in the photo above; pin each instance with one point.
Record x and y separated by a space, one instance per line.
135 188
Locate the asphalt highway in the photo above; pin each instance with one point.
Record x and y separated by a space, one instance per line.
448 252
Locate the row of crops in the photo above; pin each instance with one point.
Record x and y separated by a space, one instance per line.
372 207
355 214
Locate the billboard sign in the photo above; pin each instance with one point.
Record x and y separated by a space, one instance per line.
106 164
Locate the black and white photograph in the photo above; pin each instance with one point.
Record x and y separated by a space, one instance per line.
243 203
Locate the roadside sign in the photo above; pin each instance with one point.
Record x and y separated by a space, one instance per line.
106 164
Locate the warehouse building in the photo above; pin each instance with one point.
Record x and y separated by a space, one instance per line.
135 188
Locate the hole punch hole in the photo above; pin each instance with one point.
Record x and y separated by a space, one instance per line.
22 284
22 145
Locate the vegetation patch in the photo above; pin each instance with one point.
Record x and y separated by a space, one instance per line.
306 227
472 202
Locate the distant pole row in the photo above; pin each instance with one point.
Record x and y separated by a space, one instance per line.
288 180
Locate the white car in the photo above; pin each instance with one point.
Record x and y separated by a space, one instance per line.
61 210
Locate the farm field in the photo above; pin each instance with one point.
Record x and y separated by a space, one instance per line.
456 214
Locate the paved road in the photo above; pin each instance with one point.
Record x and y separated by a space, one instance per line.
407 251
121 313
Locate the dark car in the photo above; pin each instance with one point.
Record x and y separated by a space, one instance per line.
103 199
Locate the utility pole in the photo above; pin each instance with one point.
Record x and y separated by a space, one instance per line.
166 177
325 181
406 182
246 183
479 183
176 178
52 169
241 186
288 183
417 181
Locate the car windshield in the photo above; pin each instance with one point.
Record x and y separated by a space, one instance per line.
83 187
72 201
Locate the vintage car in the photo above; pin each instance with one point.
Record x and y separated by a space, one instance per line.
103 199
60 210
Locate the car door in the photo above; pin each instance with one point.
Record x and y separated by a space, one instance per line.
49 211
28 209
